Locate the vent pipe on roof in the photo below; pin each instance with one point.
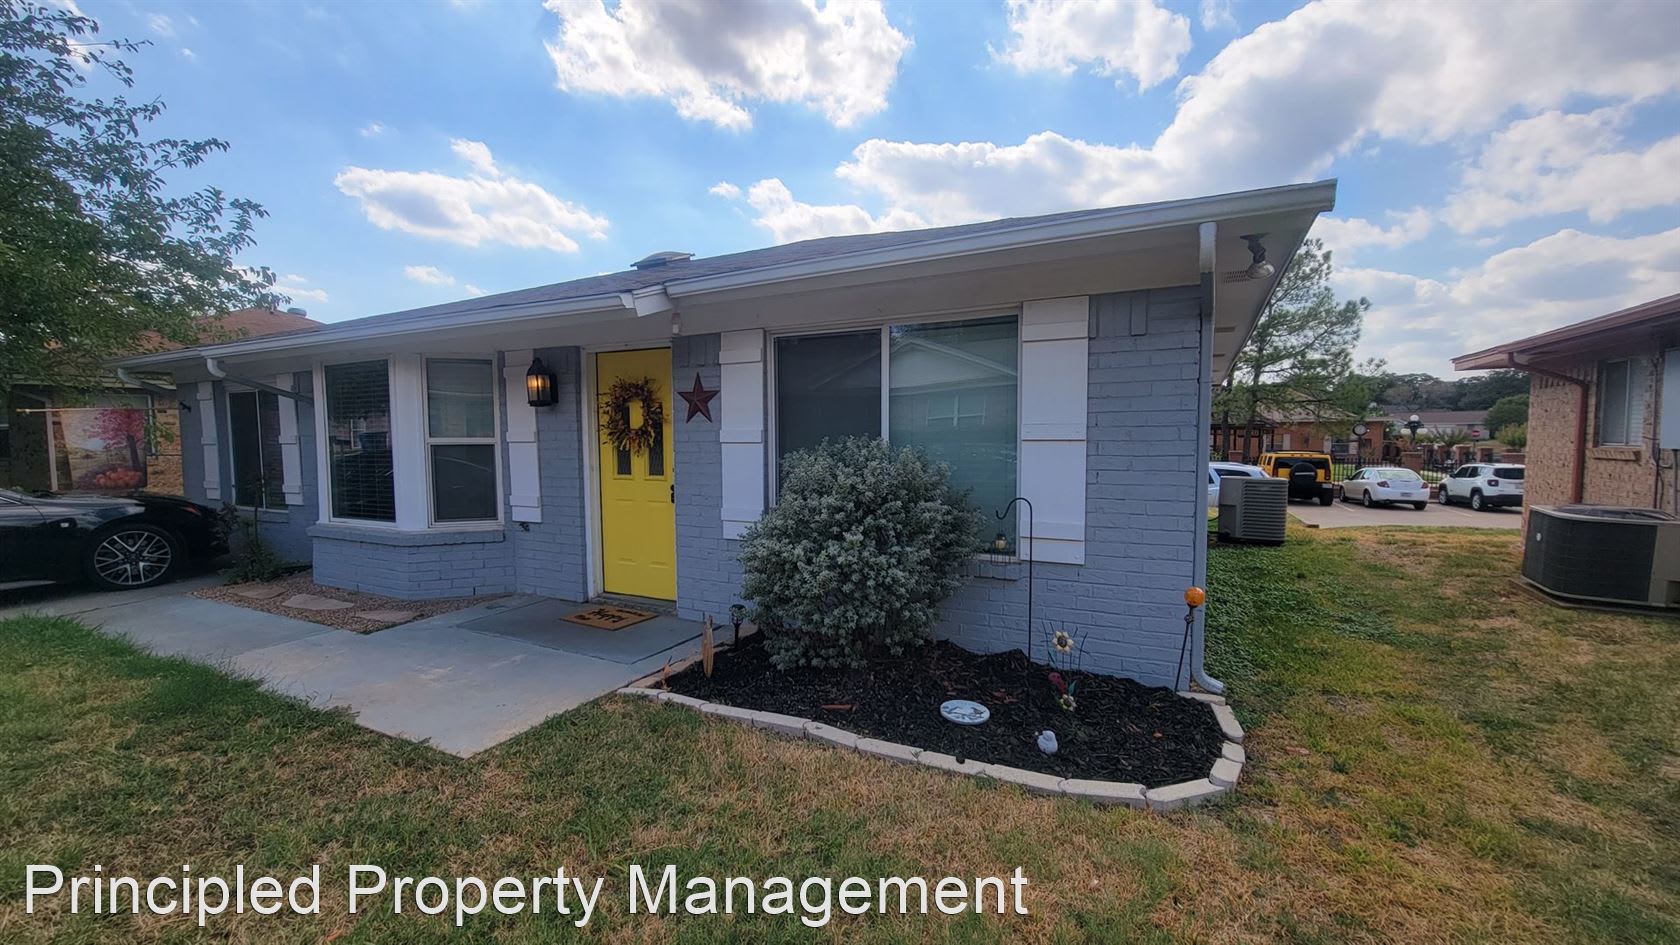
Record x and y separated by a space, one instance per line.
294 310
663 258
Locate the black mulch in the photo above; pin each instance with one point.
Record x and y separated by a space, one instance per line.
1121 730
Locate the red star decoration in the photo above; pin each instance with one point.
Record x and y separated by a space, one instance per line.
699 399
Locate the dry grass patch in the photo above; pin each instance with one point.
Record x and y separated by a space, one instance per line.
1434 757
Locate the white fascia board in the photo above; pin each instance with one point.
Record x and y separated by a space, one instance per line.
353 331
1315 198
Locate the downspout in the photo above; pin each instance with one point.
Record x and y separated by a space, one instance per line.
1578 487
1204 412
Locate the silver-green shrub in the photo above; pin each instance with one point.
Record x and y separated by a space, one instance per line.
862 545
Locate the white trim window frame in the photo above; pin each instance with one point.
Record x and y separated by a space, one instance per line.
264 484
772 422
323 450
1626 435
492 441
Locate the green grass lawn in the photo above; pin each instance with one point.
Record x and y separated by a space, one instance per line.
1434 757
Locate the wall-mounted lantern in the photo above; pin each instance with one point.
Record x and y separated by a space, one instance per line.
539 385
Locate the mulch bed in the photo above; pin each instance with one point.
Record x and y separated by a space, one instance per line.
1121 731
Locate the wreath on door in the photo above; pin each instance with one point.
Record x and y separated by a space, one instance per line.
615 414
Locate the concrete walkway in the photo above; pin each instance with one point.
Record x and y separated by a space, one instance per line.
437 681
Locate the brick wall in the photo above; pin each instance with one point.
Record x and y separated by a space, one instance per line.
413 565
708 566
1142 509
1615 475
551 557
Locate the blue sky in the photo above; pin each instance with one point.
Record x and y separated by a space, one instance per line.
1504 168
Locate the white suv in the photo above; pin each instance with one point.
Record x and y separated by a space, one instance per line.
1483 485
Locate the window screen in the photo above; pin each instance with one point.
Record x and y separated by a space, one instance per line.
952 395
1615 422
359 441
461 439
951 391
827 387
254 427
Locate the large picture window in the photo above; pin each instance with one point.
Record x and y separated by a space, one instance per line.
948 389
461 440
254 427
359 441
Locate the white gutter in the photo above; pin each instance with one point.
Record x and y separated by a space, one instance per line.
214 367
1315 197
376 327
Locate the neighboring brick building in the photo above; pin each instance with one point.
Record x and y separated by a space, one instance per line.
1604 407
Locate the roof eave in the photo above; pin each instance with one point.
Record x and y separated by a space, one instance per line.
358 331
1315 197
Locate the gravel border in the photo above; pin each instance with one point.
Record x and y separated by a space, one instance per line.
1221 778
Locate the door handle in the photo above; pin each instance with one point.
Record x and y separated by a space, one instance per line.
673 493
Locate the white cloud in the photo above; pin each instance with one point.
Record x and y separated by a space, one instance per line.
1217 14
485 206
712 60
472 291
1562 163
298 289
1347 235
1281 103
430 275
1417 324
475 153
1116 37
188 54
788 219
160 24
372 129
724 189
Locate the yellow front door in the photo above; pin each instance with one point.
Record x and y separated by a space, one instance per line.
638 507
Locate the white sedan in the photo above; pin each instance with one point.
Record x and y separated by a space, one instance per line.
1222 470
1386 485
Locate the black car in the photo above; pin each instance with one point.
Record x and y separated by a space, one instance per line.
117 542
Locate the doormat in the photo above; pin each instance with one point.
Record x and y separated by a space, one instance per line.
608 617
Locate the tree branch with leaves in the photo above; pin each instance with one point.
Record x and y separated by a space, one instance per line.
1298 362
98 257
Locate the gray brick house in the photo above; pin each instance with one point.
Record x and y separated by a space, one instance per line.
1067 358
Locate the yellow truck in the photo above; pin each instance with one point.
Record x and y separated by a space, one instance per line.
1308 473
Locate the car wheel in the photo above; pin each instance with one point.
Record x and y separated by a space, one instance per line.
1476 501
1420 506
1442 496
131 556
1368 502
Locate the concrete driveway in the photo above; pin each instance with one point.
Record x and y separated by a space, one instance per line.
1436 515
435 681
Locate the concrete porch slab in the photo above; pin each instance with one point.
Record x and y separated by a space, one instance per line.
458 691
434 680
540 622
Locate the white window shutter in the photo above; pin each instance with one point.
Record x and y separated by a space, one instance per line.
206 394
291 459
524 488
741 384
1055 352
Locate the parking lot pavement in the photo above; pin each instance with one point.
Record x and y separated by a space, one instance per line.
1436 515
